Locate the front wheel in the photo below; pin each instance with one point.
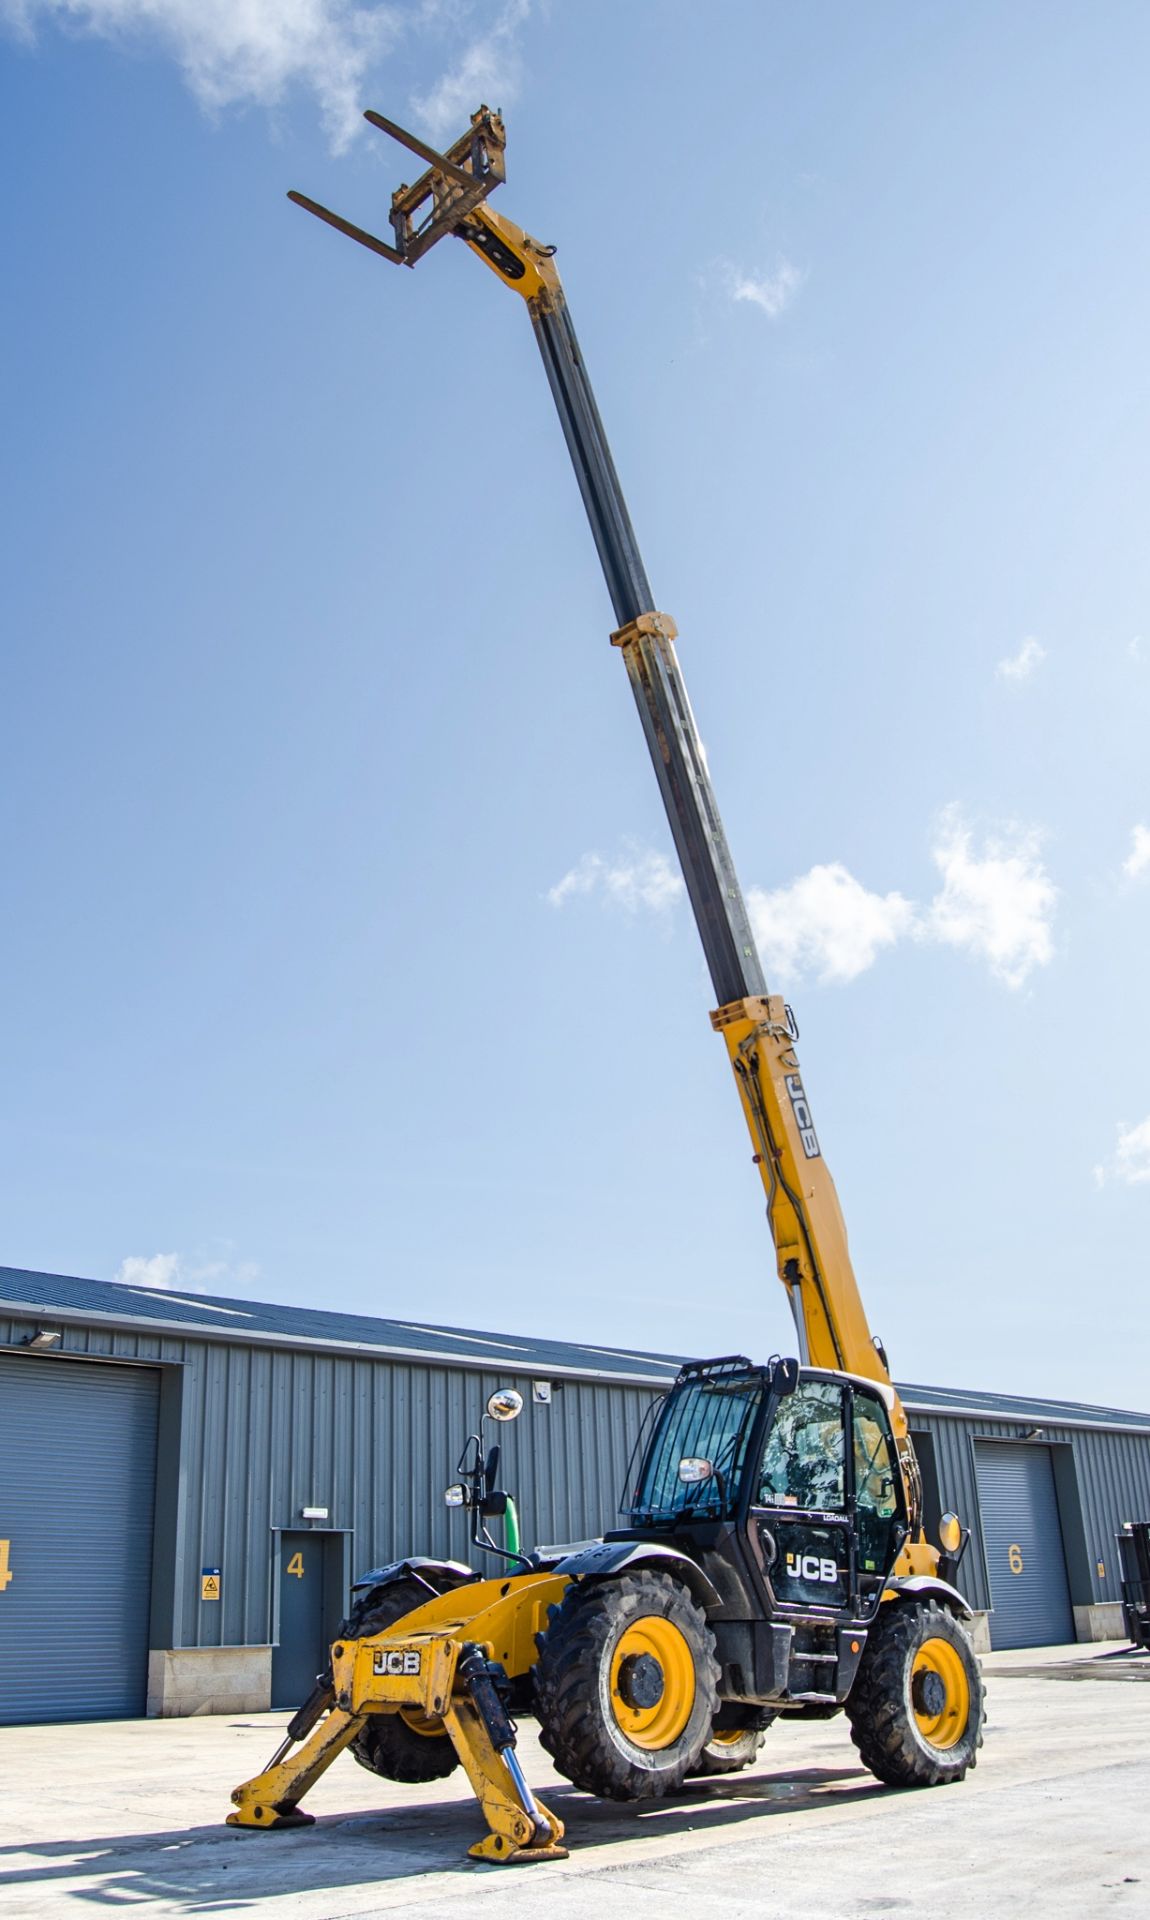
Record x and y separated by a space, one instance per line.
916 1707
403 1745
626 1685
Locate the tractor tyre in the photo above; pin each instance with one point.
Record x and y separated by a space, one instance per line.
916 1707
626 1685
393 1744
737 1733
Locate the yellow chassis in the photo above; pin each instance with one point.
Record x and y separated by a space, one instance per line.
414 1669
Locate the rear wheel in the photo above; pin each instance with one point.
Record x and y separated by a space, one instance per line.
916 1708
737 1733
400 1746
626 1685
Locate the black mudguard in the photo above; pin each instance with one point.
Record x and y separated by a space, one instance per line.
605 1558
451 1573
926 1586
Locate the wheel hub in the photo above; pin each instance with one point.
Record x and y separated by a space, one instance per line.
929 1694
641 1681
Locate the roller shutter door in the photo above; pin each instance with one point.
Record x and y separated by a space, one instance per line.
1023 1536
77 1485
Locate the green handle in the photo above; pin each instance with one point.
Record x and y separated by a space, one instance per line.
511 1526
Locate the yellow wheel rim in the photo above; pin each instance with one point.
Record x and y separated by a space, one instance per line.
419 1723
945 1727
659 1725
729 1739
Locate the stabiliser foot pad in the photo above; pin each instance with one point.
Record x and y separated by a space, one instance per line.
276 1823
499 1853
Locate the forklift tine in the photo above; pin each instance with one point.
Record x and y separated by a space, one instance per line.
437 161
345 226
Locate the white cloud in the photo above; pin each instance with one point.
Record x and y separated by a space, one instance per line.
1138 858
998 903
773 292
825 923
1131 1162
489 70
1021 665
235 51
159 1272
638 878
1134 648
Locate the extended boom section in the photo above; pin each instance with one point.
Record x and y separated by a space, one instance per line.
806 1219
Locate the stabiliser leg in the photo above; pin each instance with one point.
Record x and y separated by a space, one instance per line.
483 1734
444 1679
270 1800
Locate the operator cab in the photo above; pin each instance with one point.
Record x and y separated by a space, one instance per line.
797 1464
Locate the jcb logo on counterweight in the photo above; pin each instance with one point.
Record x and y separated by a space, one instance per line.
803 1120
406 1663
808 1566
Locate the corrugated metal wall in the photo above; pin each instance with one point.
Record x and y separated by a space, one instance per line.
261 1431
266 1431
1105 1480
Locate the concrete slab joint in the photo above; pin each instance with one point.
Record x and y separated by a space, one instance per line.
194 1680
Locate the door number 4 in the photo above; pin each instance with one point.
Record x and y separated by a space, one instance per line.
295 1565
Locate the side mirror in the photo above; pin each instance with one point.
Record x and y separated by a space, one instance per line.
784 1377
505 1404
455 1496
950 1533
692 1471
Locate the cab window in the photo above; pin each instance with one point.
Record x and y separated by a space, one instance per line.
875 1479
804 1461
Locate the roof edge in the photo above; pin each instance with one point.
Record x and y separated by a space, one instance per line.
217 1336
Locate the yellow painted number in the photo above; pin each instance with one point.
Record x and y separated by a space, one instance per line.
5 1569
1014 1558
295 1565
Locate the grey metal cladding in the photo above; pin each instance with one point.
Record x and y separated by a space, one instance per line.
259 1420
265 1431
1102 1478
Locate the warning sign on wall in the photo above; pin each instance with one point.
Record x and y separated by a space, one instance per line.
209 1583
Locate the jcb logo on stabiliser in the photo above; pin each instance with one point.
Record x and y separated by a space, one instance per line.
808 1566
405 1663
803 1120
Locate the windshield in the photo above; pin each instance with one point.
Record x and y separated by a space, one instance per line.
704 1419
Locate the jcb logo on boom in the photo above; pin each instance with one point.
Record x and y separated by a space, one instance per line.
808 1566
803 1120
406 1663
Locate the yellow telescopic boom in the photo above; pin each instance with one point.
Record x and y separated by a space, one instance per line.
758 1028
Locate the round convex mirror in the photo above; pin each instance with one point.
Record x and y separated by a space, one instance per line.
506 1404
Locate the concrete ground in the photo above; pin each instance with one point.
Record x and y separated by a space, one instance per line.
1054 1822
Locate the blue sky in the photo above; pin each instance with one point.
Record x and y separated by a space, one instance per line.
342 960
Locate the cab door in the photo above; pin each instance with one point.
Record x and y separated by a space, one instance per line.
800 1515
880 1528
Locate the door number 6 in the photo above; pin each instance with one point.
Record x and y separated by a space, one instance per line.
1014 1559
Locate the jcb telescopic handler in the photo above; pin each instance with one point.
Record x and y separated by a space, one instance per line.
774 1562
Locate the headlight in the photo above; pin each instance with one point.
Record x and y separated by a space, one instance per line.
692 1471
455 1496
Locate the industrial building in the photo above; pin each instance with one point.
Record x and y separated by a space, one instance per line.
190 1483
